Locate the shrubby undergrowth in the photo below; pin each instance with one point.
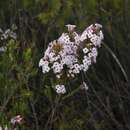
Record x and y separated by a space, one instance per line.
26 93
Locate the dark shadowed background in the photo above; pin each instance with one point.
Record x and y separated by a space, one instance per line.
24 89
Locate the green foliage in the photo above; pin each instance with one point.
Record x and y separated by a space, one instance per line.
25 90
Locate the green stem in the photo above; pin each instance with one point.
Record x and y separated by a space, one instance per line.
71 94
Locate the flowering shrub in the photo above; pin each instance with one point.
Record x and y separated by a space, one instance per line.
71 54
14 123
7 35
16 120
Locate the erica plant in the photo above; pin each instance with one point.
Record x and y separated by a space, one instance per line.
71 54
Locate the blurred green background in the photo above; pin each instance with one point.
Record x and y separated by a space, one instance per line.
23 87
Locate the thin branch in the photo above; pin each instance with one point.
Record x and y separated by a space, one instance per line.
117 61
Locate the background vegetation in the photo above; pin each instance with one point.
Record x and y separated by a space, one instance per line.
23 87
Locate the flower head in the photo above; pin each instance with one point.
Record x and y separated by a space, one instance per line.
72 54
16 120
70 27
60 89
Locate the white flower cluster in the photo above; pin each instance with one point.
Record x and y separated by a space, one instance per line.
16 120
60 89
72 53
6 35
